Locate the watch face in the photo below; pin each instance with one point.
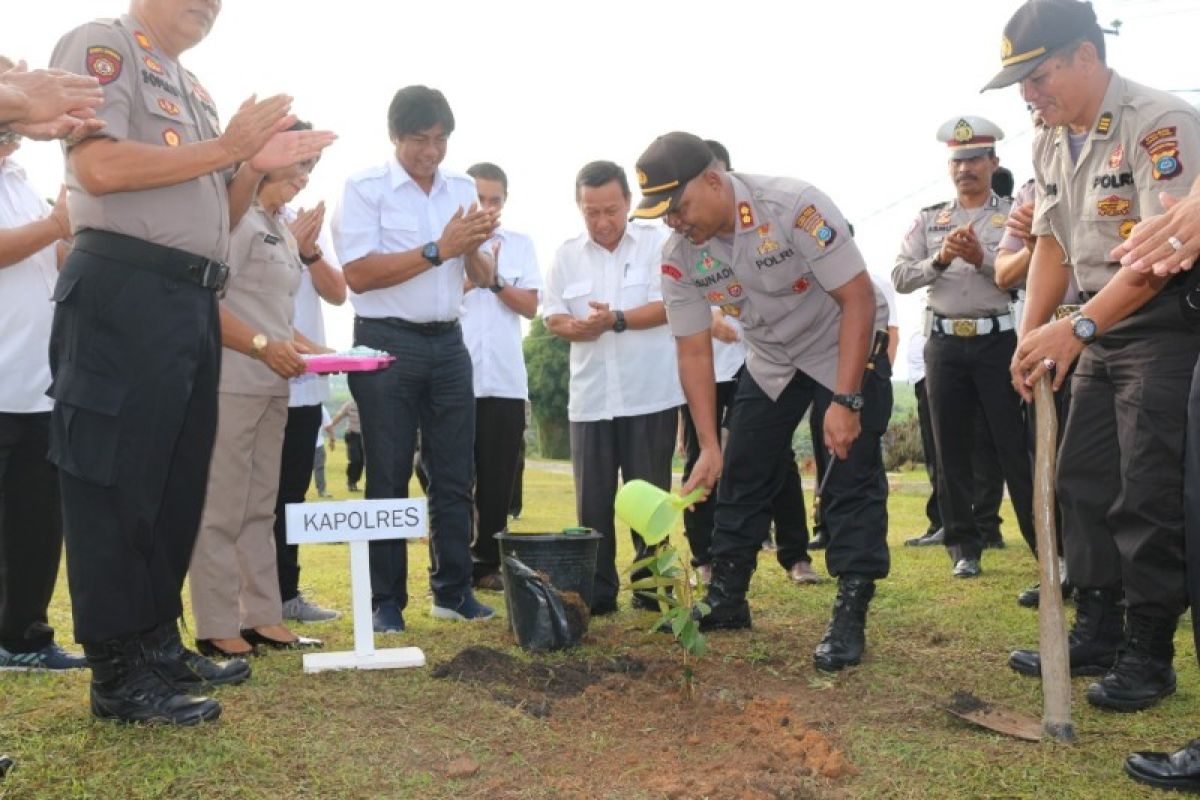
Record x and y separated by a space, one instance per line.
1084 328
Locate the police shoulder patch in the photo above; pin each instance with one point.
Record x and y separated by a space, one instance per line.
936 206
104 64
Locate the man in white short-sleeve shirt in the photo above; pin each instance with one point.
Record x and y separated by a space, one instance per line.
408 234
492 331
31 529
603 296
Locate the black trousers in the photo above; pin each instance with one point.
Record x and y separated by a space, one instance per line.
428 388
637 447
135 358
1120 473
295 474
966 375
988 491
499 431
355 457
855 500
787 508
30 532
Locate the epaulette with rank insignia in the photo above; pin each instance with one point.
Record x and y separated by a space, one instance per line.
936 206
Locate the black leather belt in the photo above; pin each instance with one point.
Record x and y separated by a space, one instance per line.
423 328
178 265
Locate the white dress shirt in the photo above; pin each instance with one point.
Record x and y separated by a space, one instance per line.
619 374
25 308
728 357
309 389
384 211
492 330
916 358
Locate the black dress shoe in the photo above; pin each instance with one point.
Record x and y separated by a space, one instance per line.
845 637
1178 771
927 539
1033 595
6 764
603 607
299 643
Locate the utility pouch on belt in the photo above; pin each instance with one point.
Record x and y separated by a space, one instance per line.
877 360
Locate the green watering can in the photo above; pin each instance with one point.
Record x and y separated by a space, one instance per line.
651 511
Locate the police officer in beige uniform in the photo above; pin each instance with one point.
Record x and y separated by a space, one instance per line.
951 248
135 347
777 255
1116 145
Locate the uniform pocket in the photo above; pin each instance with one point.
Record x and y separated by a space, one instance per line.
85 425
576 296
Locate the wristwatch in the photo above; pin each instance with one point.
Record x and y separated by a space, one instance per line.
432 253
314 258
500 283
258 345
854 401
620 324
1083 327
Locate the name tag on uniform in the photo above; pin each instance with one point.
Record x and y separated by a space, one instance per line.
271 239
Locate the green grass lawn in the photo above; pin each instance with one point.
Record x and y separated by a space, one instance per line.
384 734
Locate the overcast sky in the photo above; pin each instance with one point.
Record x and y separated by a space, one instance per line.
846 95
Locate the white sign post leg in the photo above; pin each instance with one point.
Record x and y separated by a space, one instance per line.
364 655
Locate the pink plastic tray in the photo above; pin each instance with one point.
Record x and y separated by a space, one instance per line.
325 364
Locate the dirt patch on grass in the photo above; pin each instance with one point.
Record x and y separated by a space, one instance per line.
624 731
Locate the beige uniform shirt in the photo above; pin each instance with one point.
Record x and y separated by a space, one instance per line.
790 249
960 290
1144 142
264 275
151 99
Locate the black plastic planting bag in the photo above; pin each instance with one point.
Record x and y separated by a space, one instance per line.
539 618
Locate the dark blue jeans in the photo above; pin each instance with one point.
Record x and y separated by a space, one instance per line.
428 387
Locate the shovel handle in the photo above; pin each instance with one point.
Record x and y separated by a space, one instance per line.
1052 624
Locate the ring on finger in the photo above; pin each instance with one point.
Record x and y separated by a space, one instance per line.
1049 363
1175 243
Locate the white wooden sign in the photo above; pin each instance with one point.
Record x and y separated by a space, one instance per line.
359 522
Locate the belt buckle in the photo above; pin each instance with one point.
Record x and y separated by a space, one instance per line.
964 327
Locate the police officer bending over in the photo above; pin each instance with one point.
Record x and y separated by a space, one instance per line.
776 254
135 345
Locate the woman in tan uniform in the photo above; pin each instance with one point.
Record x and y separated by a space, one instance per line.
235 589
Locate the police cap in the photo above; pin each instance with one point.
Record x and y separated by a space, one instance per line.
664 170
1035 31
969 137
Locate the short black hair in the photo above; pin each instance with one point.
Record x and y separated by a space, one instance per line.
302 125
489 172
1003 182
598 173
720 153
418 108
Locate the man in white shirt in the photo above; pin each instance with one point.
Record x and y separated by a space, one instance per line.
31 526
603 295
407 233
491 324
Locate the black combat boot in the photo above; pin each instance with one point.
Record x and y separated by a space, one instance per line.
1142 674
126 688
727 596
186 670
1093 641
845 637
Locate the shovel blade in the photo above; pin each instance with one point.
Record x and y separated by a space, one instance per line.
967 706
